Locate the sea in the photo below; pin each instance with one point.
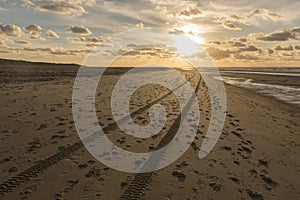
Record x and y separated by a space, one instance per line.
283 83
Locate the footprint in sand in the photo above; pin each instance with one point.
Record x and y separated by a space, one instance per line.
179 175
254 195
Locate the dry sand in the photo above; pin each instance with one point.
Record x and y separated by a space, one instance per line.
257 156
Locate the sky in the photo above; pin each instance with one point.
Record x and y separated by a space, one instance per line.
232 32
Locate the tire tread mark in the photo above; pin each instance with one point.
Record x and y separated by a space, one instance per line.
42 165
134 190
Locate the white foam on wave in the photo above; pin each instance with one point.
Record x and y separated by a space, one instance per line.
284 93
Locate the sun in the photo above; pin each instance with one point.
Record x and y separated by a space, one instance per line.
192 31
187 41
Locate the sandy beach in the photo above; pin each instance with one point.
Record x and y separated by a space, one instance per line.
149 100
42 157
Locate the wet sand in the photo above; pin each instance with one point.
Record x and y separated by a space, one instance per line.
42 157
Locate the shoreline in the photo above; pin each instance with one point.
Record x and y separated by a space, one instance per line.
294 106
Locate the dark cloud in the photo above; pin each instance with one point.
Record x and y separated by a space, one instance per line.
229 22
242 39
79 30
216 42
46 49
279 35
63 8
91 45
270 51
264 12
56 51
218 54
142 52
256 12
191 12
249 48
10 30
34 32
176 31
287 48
237 18
34 28
60 7
236 44
22 42
231 26
233 42
246 57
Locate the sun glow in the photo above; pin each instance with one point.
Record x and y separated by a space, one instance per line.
193 32
191 29
187 39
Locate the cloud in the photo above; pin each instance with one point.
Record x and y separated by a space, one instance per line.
236 18
34 32
279 35
34 29
265 13
140 46
176 31
236 44
35 37
230 26
116 16
63 8
249 48
296 30
288 54
218 53
86 39
249 19
270 51
56 51
246 57
79 30
77 2
60 7
215 42
52 34
10 30
192 12
287 48
242 39
6 51
154 52
22 42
